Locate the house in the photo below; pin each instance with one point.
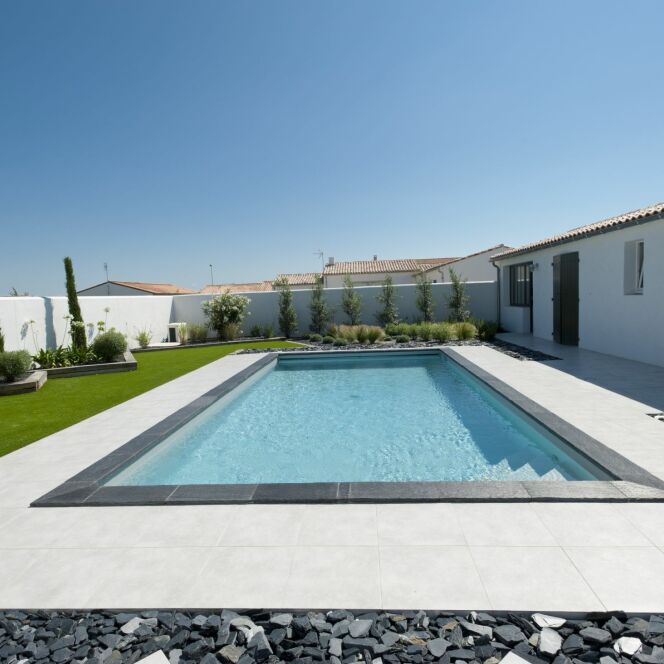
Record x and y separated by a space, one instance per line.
374 272
300 280
250 287
599 286
297 281
474 267
134 288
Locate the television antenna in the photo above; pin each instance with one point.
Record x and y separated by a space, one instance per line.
320 255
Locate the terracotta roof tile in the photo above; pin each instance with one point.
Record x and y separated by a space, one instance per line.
252 287
610 224
157 289
300 278
383 266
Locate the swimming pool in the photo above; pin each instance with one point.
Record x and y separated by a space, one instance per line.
358 417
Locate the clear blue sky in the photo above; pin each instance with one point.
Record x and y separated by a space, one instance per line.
164 136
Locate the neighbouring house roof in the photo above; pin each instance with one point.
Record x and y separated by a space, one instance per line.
155 289
300 278
252 287
461 258
383 266
611 224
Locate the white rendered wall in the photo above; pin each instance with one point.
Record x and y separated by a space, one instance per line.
132 313
264 306
127 314
609 320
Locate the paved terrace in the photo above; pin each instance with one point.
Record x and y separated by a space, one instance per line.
544 556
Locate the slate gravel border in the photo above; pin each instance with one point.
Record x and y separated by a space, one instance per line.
336 636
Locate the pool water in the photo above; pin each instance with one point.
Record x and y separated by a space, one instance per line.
358 418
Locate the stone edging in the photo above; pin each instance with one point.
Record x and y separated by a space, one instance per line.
128 363
628 482
31 383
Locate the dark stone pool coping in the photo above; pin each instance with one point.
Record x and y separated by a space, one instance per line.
628 482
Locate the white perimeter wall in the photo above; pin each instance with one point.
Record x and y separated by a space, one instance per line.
630 326
264 306
132 313
126 313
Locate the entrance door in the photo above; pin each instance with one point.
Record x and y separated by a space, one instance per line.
566 299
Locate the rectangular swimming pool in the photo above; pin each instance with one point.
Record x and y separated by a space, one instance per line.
358 417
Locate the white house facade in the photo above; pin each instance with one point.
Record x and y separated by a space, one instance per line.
600 287
474 267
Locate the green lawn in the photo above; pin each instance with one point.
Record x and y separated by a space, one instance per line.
62 402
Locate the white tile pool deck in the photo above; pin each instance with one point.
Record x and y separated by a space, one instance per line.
545 556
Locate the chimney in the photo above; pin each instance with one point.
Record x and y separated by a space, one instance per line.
330 260
375 257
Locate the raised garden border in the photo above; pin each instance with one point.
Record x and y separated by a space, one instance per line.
31 383
629 482
128 363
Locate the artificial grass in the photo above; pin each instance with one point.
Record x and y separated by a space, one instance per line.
62 402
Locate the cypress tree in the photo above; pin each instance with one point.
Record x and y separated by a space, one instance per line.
351 302
320 314
424 297
387 297
287 314
77 326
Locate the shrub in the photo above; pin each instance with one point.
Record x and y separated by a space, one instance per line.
402 339
14 364
2 341
387 337
268 331
333 330
255 331
108 345
362 334
340 342
486 329
347 332
183 333
424 299
47 358
320 314
351 302
425 331
327 339
387 298
287 315
465 331
317 338
197 333
225 314
77 331
374 333
143 337
442 332
391 329
458 301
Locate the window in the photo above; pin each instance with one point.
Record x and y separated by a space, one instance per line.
634 267
519 284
